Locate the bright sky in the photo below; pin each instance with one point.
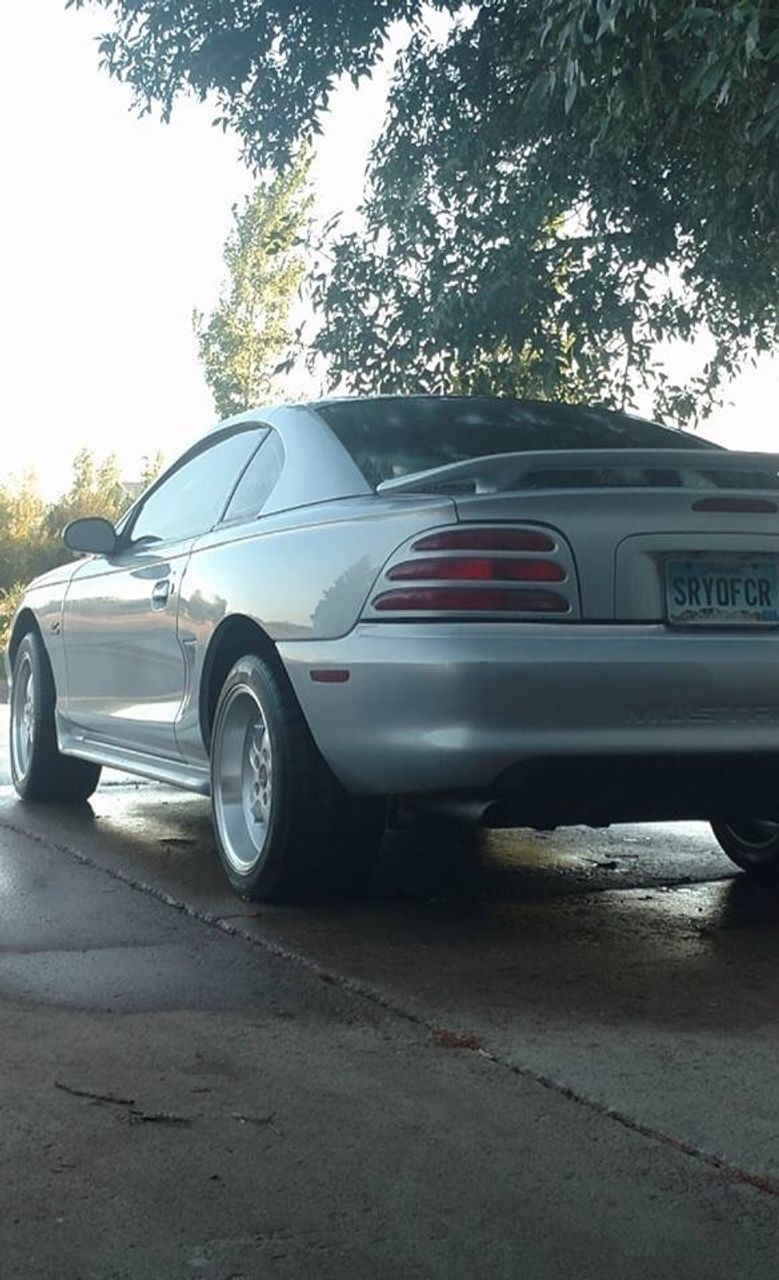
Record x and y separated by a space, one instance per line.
111 233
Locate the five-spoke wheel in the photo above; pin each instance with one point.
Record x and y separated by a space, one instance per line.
243 781
22 716
284 826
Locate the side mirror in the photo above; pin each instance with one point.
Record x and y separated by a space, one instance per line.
92 535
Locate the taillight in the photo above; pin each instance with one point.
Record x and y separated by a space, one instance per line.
485 540
496 569
481 569
470 600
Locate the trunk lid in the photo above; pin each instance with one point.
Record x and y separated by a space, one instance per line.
629 514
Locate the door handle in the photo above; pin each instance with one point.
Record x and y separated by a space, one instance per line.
160 593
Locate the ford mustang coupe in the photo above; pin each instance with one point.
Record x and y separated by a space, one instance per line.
565 614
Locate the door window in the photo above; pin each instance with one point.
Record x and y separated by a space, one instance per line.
190 499
258 480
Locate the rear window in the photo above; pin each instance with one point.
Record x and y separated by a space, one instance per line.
397 437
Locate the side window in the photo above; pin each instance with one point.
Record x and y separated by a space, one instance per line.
189 501
255 485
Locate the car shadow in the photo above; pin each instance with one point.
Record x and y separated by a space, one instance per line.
652 928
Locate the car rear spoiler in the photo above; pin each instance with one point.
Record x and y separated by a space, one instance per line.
506 472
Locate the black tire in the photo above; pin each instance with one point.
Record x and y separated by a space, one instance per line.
752 844
39 771
285 827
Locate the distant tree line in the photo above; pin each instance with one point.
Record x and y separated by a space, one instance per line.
31 529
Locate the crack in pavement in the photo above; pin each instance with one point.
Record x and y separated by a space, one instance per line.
761 1183
133 1112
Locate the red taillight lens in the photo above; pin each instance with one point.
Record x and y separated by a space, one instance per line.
480 569
486 540
477 569
470 600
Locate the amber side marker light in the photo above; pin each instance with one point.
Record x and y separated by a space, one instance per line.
330 675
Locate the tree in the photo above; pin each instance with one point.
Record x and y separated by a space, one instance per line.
560 187
30 530
95 490
22 510
10 598
151 466
269 65
245 337
25 545
560 184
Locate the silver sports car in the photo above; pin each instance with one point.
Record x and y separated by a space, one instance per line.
561 614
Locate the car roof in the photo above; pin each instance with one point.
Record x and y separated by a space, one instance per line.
562 407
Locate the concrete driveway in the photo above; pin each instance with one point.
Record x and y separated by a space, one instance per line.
571 1046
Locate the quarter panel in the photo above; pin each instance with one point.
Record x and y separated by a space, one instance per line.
300 575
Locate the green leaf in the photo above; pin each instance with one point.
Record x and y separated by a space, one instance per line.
752 35
508 227
709 81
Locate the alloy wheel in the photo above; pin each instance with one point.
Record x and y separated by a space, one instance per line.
243 779
23 717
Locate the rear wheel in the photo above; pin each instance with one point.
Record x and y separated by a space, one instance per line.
753 844
285 828
39 771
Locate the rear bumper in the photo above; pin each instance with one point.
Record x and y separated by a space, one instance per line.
453 707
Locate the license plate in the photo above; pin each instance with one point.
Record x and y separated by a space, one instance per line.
734 591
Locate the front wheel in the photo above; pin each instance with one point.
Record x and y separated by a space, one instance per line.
39 771
753 844
285 828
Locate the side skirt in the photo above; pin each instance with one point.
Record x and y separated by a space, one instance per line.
172 772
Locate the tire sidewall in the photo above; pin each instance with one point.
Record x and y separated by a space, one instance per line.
51 777
43 712
251 672
761 864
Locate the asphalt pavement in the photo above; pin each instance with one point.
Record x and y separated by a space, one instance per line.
523 1055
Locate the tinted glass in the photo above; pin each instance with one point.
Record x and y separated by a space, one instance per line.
389 438
257 482
190 500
